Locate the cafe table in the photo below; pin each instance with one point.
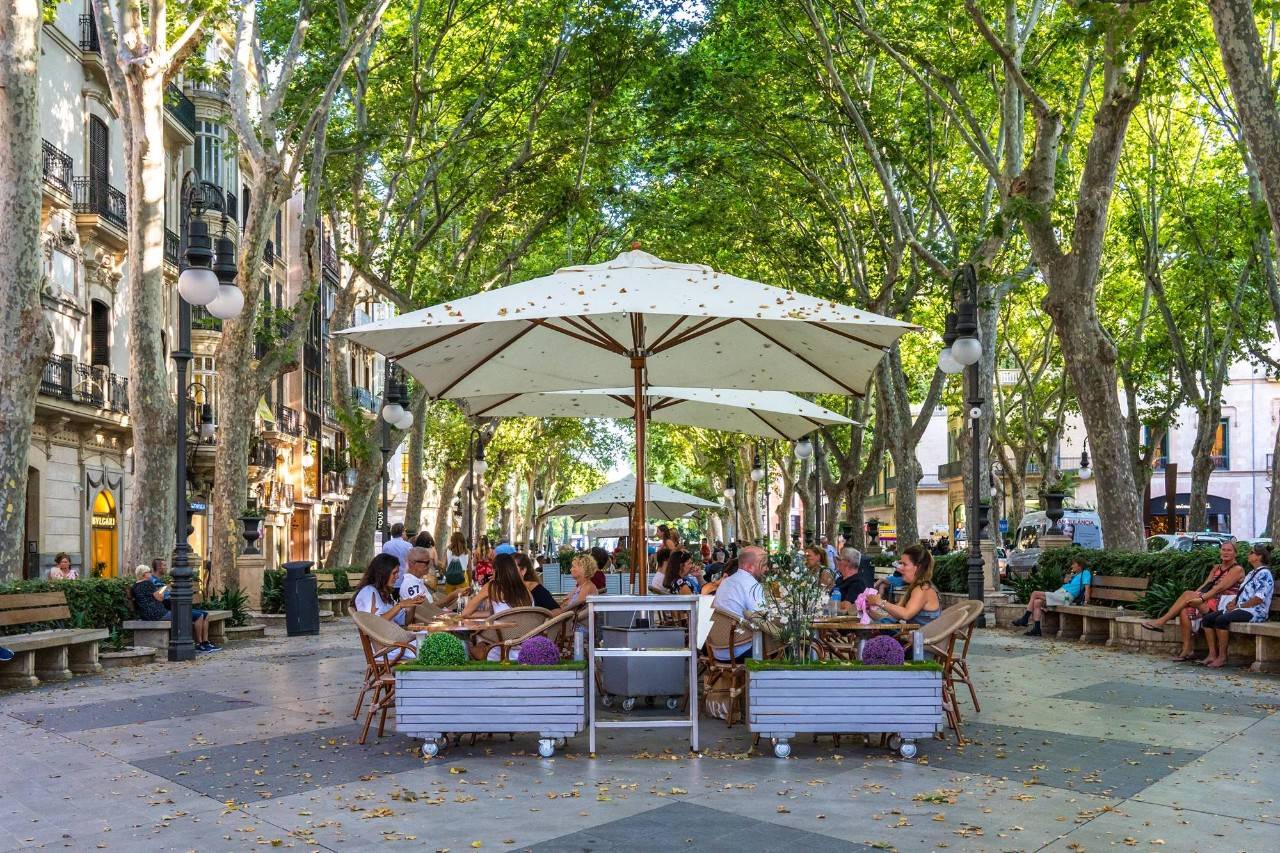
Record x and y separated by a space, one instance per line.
835 631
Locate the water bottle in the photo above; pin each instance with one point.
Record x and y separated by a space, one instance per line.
917 645
836 597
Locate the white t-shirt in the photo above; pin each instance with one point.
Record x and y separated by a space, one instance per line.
658 580
411 586
369 601
464 559
495 654
831 556
738 594
399 548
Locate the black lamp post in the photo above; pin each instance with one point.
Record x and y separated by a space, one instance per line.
805 448
475 465
394 414
758 474
204 282
962 351
731 492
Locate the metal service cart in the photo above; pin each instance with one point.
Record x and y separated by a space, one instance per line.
606 604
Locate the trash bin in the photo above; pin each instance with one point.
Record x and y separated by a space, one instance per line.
301 604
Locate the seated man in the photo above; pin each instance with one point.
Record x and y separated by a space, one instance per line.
417 579
1074 590
151 600
741 593
849 580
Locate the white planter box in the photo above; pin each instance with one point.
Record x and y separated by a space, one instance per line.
782 703
433 704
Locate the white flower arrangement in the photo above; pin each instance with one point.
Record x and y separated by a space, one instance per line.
793 598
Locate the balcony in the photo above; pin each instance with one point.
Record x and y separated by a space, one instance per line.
90 385
329 259
330 416
952 470
56 166
204 321
269 254
181 109
89 34
288 421
171 243
876 501
98 198
277 496
364 398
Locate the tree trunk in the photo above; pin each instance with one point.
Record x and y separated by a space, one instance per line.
1202 465
22 324
365 533
448 486
893 417
417 482
783 512
854 502
368 479
151 407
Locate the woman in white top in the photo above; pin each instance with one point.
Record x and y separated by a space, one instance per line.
374 595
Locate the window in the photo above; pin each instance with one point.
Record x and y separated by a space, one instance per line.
99 152
1221 450
100 334
215 157
205 374
1162 455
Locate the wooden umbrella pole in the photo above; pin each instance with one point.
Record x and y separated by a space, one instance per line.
638 563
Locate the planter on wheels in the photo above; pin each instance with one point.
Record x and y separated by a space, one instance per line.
785 699
434 702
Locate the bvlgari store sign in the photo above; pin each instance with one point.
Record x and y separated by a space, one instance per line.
103 521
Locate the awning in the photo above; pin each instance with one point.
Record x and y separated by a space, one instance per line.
1182 502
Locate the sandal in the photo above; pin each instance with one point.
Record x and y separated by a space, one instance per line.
1184 658
1150 626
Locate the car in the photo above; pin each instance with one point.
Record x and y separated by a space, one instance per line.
1082 525
1002 560
1186 542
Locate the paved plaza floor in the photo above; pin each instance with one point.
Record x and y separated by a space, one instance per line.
1076 748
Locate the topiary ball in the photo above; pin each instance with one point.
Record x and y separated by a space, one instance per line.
883 651
442 650
539 651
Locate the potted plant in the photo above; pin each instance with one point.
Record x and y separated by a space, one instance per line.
251 521
444 691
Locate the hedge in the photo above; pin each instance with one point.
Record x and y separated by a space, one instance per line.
1185 568
94 602
273 591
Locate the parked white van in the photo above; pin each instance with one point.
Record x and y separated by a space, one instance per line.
1082 525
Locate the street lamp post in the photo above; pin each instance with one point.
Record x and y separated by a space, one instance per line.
962 350
204 282
394 414
805 448
731 493
758 475
475 466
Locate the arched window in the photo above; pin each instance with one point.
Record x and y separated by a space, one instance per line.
100 334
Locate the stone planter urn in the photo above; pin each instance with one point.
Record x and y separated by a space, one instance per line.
252 532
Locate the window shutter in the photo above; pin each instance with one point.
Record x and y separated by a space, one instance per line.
100 335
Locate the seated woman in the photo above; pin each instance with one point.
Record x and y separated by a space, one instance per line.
375 594
815 560
711 586
920 603
602 559
541 596
1222 580
151 599
582 570
675 579
1252 604
505 591
659 575
1074 590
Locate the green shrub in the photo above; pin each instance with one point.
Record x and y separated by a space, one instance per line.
951 572
273 591
883 559
233 599
1160 597
93 602
1041 578
1186 569
565 558
442 650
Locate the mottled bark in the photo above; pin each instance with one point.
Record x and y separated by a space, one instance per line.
347 531
22 324
447 483
417 482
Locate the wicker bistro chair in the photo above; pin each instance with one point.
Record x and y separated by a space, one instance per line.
960 657
385 644
553 629
525 620
940 640
726 676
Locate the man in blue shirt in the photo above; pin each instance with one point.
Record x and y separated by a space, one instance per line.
1074 590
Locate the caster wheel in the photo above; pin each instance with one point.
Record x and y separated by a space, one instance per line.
907 750
560 742
782 749
546 747
672 703
430 749
628 703
895 741
606 700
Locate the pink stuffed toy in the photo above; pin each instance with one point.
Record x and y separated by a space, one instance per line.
861 604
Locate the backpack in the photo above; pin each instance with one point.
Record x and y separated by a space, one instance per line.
454 574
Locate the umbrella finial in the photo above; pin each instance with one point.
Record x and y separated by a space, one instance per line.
635 245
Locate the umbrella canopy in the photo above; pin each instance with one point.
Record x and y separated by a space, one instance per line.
616 500
770 414
637 321
617 528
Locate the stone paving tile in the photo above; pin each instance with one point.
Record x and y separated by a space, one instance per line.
1006 651
1087 764
282 765
687 826
1133 694
1146 827
145 709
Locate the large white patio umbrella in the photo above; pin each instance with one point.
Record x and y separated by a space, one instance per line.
769 414
637 321
618 500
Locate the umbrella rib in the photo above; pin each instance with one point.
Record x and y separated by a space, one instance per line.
429 344
614 343
584 337
473 368
695 331
662 337
842 333
666 403
487 409
624 400
765 421
798 356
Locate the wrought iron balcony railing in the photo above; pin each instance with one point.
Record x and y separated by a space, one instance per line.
91 385
99 197
56 165
180 107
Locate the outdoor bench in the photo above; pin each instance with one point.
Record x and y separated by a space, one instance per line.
1092 622
155 633
337 603
1266 636
50 655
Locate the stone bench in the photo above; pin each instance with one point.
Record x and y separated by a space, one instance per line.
1266 637
1091 622
156 633
53 654
335 603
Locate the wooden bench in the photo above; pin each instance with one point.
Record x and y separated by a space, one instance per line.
1091 622
50 655
337 603
1266 636
155 633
